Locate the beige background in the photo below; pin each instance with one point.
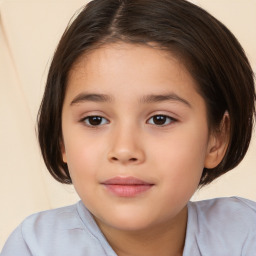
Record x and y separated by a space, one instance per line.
29 32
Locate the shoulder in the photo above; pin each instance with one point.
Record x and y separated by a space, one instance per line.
41 230
64 231
226 226
233 212
233 207
56 218
50 227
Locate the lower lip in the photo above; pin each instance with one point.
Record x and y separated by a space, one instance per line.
128 190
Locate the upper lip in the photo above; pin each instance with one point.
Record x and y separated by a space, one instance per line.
125 181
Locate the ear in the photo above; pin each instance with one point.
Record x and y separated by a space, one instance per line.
63 151
218 143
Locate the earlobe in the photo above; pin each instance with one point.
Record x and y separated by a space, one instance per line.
218 143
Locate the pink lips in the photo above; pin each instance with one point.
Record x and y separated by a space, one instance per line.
126 186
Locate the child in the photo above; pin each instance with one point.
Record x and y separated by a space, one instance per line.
145 101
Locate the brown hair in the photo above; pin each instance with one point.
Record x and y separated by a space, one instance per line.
208 49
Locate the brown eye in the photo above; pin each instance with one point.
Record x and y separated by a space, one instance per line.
160 120
95 120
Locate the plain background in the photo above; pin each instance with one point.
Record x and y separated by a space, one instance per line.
29 32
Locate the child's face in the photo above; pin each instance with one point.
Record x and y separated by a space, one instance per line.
131 89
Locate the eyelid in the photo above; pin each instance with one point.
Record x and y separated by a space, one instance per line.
172 119
107 121
83 120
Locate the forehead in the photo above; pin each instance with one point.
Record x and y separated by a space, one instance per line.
121 68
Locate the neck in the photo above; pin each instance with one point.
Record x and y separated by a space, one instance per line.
166 239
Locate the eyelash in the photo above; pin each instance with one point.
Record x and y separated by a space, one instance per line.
163 117
96 118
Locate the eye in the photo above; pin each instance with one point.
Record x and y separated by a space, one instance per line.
95 120
161 120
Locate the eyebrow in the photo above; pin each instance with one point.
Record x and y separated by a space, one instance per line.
151 98
94 97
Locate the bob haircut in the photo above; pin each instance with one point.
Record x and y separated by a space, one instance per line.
210 52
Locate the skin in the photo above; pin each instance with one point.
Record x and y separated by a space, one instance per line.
128 142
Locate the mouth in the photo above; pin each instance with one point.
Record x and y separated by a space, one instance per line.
126 186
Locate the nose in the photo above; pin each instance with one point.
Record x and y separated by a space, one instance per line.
126 148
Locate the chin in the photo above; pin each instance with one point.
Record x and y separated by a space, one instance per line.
128 222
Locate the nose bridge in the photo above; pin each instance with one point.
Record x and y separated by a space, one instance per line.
125 144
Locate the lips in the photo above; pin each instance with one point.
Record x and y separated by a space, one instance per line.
126 186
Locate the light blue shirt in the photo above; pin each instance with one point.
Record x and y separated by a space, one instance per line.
217 227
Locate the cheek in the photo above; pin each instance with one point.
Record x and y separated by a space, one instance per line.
181 157
83 163
83 156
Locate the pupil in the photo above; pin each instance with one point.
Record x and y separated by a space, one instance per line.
159 120
95 120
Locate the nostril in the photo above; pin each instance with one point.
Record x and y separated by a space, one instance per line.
130 160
